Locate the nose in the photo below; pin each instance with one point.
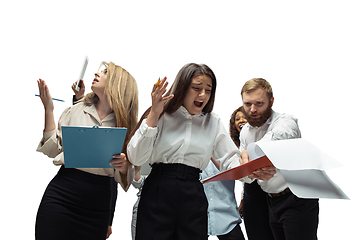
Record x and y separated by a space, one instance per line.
253 108
97 75
202 93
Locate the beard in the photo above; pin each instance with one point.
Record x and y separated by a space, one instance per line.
258 122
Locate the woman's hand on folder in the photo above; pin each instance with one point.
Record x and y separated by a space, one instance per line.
120 163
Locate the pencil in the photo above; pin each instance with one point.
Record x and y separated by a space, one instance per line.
37 95
158 83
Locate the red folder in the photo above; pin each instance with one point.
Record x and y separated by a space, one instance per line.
240 171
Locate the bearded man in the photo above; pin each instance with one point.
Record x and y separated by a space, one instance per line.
290 217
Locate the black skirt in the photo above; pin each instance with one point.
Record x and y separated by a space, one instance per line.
75 205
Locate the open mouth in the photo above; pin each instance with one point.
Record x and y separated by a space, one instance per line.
198 103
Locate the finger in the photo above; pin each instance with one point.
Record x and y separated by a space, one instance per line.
241 160
115 163
168 98
121 155
163 83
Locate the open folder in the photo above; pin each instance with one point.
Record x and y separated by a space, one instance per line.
91 147
240 171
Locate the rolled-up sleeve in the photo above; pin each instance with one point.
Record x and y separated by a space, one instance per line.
51 142
141 144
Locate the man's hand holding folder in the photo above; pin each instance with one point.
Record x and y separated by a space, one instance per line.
264 173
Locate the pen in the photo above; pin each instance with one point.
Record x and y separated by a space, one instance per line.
37 95
158 83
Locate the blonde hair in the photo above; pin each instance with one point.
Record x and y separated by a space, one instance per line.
122 93
256 83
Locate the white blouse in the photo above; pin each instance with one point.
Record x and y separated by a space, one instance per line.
80 115
183 138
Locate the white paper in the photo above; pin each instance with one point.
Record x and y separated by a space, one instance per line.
302 165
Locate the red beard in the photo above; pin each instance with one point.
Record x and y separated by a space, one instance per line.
258 122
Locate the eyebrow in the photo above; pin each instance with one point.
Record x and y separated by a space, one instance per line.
201 84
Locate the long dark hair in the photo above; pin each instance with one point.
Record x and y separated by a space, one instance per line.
234 133
182 83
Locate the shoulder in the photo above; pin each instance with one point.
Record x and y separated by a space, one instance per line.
281 119
284 126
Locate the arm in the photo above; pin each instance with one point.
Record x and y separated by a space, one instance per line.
216 163
225 151
141 144
51 143
140 147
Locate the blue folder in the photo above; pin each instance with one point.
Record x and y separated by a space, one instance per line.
91 147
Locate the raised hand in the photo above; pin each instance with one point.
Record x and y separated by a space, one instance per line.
158 102
45 95
47 101
79 94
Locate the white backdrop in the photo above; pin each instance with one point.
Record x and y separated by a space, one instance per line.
308 50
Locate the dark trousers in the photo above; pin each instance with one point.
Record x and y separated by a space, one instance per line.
293 218
173 205
234 234
256 213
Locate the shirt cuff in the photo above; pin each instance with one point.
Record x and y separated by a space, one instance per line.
48 135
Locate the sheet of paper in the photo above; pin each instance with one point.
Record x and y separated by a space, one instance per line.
302 165
294 154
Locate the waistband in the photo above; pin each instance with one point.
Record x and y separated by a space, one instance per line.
282 193
83 176
175 171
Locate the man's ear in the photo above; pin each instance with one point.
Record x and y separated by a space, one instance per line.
272 101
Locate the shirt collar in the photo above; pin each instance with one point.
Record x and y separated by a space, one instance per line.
91 110
187 114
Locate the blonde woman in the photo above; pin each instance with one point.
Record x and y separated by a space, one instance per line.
76 203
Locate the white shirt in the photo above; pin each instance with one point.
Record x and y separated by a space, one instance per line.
183 138
277 127
80 115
